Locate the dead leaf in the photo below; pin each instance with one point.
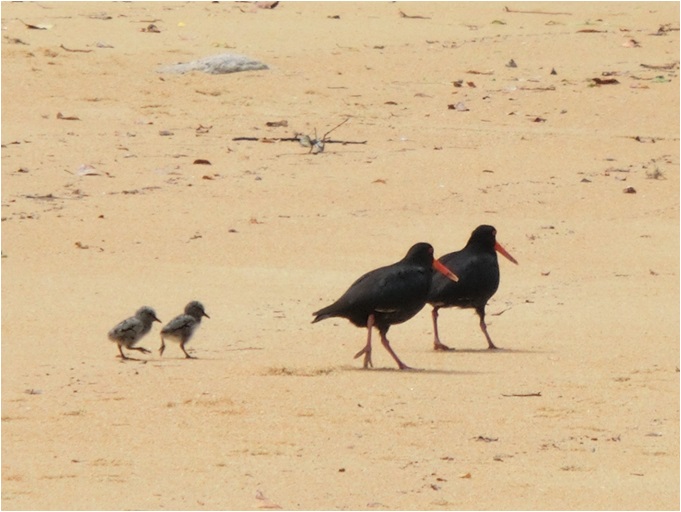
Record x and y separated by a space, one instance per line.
86 170
511 64
151 28
37 27
415 17
630 190
605 81
277 124
631 43
267 503
460 107
203 129
671 66
76 50
202 161
380 180
266 5
590 31
466 475
67 118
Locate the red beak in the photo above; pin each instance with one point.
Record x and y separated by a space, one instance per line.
504 252
445 271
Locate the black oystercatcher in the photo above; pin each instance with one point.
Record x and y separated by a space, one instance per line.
128 332
182 327
386 296
478 270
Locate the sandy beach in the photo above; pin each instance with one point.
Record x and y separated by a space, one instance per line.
557 123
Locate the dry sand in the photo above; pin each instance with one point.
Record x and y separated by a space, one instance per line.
275 413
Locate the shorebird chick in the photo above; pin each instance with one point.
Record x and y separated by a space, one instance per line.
182 327
131 330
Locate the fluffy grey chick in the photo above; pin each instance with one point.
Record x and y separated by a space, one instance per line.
132 329
182 327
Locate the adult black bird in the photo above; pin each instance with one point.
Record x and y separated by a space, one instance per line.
478 269
388 295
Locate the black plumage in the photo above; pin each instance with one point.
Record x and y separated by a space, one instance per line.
387 296
477 267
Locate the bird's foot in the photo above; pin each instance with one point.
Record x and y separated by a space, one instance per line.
438 345
144 350
367 356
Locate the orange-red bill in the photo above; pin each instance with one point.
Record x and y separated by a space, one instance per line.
445 271
503 251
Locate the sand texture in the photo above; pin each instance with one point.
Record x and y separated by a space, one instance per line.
557 123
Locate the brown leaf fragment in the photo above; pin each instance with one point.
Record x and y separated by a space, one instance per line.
15 40
506 9
266 502
511 64
630 190
605 81
201 161
203 129
277 124
67 118
460 107
81 245
486 439
151 28
670 66
75 50
631 43
414 17
474 72
266 5
590 31
380 180
390 103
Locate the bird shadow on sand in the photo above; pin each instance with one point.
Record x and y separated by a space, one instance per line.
499 350
411 371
